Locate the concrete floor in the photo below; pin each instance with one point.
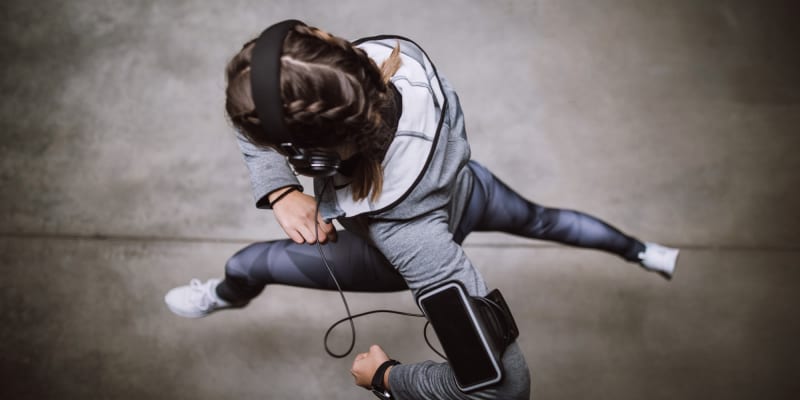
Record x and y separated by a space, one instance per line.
676 121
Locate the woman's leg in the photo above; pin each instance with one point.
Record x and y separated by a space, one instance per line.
357 265
494 206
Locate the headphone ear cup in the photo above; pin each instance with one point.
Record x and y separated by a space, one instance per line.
315 163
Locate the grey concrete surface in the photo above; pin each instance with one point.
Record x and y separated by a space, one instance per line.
676 121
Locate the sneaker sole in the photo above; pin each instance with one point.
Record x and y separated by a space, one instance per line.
195 315
185 314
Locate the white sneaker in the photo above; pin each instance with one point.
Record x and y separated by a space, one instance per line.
659 259
197 299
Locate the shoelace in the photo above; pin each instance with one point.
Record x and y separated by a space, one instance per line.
201 294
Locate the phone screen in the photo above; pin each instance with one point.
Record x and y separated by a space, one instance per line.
460 338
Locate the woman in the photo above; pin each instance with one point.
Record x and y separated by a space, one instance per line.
405 191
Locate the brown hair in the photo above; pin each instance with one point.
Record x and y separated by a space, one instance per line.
333 95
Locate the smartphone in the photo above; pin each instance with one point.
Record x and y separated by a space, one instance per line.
471 353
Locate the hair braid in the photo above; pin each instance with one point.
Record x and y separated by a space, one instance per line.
370 70
333 95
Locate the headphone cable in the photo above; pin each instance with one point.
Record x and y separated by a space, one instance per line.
350 317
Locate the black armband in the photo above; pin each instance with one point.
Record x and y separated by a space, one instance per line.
474 332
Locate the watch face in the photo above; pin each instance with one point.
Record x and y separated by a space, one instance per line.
382 394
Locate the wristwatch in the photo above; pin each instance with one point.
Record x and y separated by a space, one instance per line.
377 380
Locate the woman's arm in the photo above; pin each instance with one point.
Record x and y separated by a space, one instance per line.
270 177
423 251
269 171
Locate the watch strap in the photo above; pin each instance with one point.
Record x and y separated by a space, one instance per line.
377 379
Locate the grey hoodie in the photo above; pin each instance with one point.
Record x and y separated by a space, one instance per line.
426 186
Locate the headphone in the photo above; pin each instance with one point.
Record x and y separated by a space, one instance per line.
265 85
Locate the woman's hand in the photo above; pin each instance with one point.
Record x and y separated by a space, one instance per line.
366 364
296 213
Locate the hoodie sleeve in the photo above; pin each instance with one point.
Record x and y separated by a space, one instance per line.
268 169
431 380
423 251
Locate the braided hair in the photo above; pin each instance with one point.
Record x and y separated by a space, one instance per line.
334 95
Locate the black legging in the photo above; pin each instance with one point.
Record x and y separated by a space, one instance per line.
492 206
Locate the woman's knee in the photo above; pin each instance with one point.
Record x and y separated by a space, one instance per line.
241 264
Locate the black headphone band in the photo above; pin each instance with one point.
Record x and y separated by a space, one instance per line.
265 80
265 86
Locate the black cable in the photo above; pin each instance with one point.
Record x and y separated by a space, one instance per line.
336 281
350 317
407 314
425 333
